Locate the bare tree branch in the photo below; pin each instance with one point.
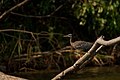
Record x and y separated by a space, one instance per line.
11 9
88 56
108 43
28 32
39 17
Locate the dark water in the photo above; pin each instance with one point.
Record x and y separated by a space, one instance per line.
88 73
97 73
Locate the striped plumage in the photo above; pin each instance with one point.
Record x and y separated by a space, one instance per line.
83 45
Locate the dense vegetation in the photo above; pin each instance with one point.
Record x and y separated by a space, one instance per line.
39 26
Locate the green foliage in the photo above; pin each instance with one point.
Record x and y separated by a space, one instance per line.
99 15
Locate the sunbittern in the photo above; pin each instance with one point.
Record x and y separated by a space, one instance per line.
82 45
85 46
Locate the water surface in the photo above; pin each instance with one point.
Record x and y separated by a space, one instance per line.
97 73
88 73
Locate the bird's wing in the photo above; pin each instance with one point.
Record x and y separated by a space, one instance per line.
82 45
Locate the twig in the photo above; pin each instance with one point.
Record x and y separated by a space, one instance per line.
57 9
33 36
114 50
11 9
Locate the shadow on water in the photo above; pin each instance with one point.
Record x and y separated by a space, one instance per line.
88 73
97 73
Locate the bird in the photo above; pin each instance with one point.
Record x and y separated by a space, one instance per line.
83 45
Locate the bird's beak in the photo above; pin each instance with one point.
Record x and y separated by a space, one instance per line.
65 36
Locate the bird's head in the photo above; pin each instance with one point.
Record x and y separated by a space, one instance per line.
69 35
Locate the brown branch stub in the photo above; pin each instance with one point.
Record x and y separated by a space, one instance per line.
88 56
11 9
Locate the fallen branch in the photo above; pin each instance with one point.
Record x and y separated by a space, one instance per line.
99 43
4 76
11 9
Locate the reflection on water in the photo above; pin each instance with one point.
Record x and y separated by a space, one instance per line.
97 73
88 73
